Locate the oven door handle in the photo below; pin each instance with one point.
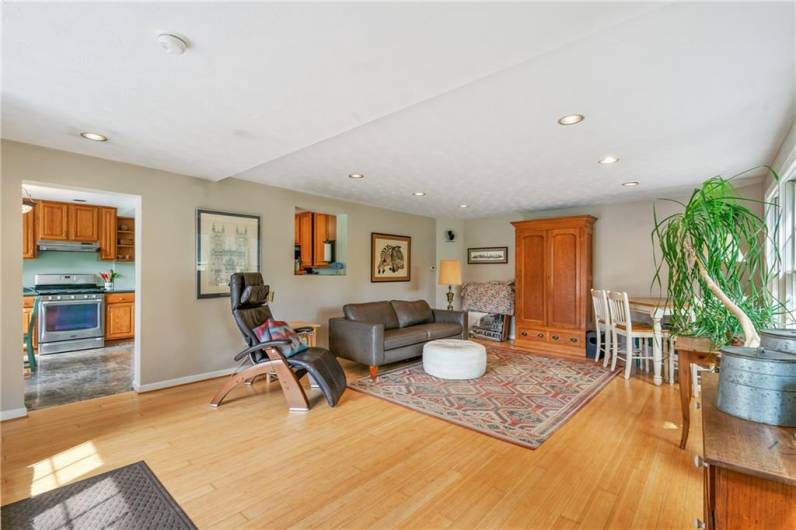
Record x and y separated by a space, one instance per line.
45 303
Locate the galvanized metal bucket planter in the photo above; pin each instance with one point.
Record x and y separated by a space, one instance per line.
759 384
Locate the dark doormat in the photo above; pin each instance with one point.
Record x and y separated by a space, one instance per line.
128 497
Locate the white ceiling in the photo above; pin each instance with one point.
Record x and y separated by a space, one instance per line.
457 100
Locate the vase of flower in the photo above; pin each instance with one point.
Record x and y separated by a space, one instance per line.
108 278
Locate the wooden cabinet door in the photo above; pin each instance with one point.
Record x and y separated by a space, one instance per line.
83 222
119 320
52 220
319 235
304 220
29 235
530 277
563 284
107 233
331 227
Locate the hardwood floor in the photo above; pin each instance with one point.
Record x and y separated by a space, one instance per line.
368 463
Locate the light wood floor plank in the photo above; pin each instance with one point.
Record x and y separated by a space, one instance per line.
368 463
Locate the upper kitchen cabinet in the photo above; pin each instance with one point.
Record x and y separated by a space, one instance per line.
61 221
83 222
52 220
107 233
318 249
29 235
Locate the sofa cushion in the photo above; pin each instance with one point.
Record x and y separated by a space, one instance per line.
400 337
373 312
441 330
412 313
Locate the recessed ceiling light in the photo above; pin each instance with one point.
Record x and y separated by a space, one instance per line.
172 44
609 160
630 184
419 193
356 176
462 206
571 119
96 137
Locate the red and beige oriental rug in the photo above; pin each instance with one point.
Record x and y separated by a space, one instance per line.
522 398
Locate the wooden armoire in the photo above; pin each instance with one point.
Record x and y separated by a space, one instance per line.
553 260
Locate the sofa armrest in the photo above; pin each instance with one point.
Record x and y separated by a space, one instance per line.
453 317
362 342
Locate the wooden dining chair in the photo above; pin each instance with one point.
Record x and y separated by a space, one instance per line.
602 325
623 324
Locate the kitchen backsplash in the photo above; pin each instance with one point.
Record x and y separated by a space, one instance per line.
54 262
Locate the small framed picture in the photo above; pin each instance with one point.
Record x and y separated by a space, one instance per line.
225 243
487 255
390 258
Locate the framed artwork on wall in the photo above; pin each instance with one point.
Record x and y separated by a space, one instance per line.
487 255
225 243
390 258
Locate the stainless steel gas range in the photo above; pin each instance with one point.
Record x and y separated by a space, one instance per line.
71 312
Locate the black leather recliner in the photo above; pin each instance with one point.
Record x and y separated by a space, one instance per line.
248 297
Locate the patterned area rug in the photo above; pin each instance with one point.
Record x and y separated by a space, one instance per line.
522 398
128 497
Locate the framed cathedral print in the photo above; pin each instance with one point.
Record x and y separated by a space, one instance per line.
225 243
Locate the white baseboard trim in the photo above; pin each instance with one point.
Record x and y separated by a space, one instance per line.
149 387
13 414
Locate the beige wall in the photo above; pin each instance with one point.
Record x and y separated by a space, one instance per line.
179 335
449 250
623 257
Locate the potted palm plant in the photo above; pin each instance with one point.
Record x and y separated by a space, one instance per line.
714 253
718 279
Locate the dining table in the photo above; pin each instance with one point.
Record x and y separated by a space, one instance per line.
655 309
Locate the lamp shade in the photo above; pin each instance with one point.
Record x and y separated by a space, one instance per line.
450 272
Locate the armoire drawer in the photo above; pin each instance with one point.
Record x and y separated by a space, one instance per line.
538 335
566 338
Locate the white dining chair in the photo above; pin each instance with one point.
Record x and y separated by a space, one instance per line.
602 325
623 324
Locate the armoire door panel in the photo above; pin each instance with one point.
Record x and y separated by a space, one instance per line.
532 277
563 308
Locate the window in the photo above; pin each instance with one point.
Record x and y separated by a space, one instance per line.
784 284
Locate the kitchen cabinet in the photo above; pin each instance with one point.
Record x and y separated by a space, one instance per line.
107 233
83 222
29 235
52 220
320 233
27 311
312 230
125 239
119 316
61 221
304 241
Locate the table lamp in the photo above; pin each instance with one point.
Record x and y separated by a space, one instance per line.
450 274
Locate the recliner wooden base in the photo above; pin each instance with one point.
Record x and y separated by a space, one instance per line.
294 393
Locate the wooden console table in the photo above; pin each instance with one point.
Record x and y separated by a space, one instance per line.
690 351
750 470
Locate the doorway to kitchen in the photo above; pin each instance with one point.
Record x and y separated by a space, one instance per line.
80 281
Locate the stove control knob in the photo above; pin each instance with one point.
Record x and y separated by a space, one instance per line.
72 297
57 297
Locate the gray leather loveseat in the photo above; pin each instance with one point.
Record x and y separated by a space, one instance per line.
379 333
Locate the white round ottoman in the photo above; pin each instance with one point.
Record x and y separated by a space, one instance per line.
454 359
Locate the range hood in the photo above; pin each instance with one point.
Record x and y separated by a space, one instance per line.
68 246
